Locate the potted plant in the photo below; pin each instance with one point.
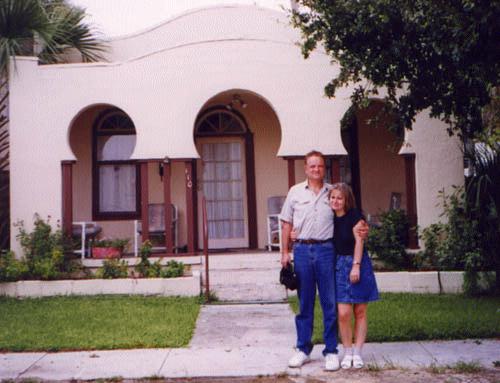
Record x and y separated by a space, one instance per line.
108 248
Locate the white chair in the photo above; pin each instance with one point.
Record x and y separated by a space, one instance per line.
156 217
274 205
85 231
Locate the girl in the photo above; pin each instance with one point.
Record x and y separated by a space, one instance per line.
355 280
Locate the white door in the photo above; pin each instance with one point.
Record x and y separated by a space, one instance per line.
223 184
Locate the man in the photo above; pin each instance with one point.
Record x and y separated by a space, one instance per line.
307 212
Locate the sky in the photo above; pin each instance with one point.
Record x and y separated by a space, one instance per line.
122 17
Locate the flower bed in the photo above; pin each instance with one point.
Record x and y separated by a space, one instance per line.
182 286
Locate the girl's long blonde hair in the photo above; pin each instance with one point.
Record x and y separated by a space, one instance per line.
346 191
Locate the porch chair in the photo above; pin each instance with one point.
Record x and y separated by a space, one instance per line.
156 212
274 205
86 233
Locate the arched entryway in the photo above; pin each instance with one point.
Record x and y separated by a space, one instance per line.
105 181
226 148
237 135
380 177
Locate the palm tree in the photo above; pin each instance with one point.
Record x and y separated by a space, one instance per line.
483 202
47 29
4 166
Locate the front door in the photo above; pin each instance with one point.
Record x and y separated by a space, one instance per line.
223 183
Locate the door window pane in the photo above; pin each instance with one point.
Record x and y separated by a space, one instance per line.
223 190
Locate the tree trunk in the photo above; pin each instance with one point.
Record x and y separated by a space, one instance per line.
4 165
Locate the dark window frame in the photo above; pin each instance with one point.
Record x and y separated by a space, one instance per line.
219 109
97 214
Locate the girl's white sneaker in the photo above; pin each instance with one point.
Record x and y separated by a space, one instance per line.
357 361
346 362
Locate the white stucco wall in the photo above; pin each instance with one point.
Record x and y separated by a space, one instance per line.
162 78
438 165
208 24
163 90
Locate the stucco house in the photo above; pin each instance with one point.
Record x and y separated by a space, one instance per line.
217 102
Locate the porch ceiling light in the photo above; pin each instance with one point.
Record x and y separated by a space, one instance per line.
236 101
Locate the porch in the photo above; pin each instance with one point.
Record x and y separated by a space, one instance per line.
237 136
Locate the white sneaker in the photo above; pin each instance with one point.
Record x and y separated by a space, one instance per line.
332 362
357 361
298 359
346 361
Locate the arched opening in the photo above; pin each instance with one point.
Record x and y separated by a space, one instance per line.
116 193
237 135
375 170
105 181
224 139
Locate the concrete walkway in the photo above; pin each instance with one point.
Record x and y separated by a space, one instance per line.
235 340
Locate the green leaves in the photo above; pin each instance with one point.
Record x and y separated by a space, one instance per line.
47 28
44 250
441 56
112 268
69 31
19 21
388 241
146 269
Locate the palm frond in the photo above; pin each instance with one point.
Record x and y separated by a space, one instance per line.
19 21
483 200
69 31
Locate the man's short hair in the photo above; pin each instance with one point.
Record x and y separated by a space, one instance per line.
314 153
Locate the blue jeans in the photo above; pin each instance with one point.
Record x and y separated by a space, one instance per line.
314 266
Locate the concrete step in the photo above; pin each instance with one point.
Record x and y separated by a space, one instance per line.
267 276
250 292
246 277
262 260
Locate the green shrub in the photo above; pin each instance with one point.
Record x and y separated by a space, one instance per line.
146 269
156 269
44 250
388 241
12 269
112 268
49 267
452 245
173 269
433 237
142 268
460 243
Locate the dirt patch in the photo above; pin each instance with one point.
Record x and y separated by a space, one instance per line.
364 376
406 376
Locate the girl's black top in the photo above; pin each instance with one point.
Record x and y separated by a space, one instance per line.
343 238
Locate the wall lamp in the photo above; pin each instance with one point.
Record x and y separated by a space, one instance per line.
235 102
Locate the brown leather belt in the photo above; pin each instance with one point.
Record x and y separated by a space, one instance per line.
313 241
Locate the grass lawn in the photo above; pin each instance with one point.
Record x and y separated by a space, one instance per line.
402 317
102 322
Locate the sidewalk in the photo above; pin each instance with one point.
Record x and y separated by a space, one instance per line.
235 340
